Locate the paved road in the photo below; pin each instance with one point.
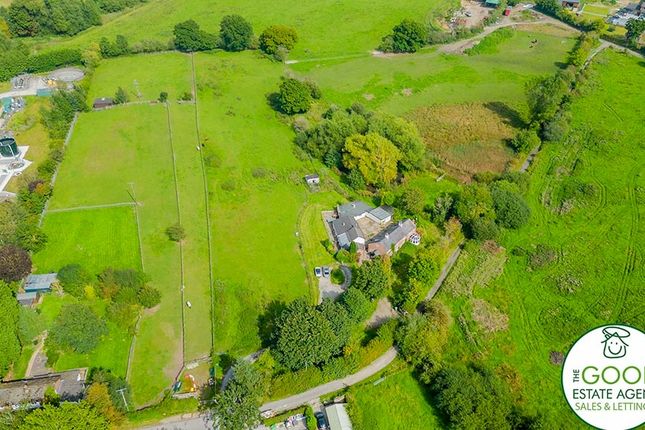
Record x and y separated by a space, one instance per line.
293 402
183 422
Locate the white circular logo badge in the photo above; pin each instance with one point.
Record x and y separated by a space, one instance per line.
603 377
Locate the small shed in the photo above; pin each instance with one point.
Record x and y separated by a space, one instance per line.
492 3
102 103
313 179
40 283
338 417
27 299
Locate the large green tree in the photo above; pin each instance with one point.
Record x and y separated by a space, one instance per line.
9 317
373 278
403 134
68 416
236 34
472 398
304 337
277 37
374 156
294 96
190 38
341 323
510 208
544 95
15 263
237 407
408 36
77 328
358 306
634 27
474 202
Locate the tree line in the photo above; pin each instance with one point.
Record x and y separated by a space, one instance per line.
28 18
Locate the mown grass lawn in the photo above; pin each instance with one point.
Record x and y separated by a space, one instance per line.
596 277
95 238
111 353
399 402
325 28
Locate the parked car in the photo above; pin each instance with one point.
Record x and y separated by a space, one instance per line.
321 421
318 272
326 272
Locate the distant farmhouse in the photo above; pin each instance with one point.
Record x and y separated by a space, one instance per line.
371 229
30 393
631 11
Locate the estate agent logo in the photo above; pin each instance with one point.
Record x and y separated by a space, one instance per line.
615 346
603 377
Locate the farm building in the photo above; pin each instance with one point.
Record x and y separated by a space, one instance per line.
392 238
338 417
370 228
492 3
40 283
571 4
102 103
27 299
29 393
312 179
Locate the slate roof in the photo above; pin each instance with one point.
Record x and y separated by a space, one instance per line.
382 212
69 385
26 298
40 282
353 209
346 229
394 233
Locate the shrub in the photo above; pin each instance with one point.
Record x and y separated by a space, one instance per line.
148 296
277 36
15 263
484 229
413 201
176 233
53 59
121 96
294 96
510 208
235 33
163 97
73 278
525 141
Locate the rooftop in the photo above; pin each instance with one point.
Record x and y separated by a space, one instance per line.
394 233
40 282
353 209
338 417
69 385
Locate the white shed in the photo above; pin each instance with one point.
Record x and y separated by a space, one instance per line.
338 417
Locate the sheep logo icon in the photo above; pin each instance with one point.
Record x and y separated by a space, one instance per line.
615 346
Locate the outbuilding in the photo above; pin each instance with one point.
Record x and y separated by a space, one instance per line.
313 179
27 299
338 417
40 283
102 103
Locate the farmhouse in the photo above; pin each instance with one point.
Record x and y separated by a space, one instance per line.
370 228
29 393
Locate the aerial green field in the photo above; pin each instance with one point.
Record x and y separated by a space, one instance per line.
143 76
326 28
400 83
99 238
397 402
133 158
577 264
256 191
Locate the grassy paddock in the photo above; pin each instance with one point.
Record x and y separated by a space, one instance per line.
397 402
354 30
595 276
96 238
